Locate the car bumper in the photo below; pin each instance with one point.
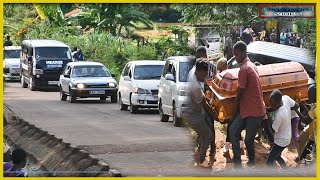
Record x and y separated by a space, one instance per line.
95 92
11 76
145 100
181 106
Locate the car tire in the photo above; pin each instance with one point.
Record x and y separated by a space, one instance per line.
123 107
73 98
114 99
133 109
176 120
103 98
163 117
31 86
23 83
63 96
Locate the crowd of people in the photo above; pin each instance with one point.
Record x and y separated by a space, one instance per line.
249 113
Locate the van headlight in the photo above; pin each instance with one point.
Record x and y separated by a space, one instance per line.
141 91
38 71
80 86
112 85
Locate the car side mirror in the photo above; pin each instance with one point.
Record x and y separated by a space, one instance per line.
66 76
169 77
127 78
113 75
30 58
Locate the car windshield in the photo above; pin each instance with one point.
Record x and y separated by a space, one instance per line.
14 53
184 69
90 71
52 53
148 71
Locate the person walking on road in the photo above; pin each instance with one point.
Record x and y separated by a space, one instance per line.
249 102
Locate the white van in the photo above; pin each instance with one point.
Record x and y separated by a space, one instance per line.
139 84
11 64
173 88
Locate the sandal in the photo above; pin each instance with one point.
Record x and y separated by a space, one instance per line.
206 164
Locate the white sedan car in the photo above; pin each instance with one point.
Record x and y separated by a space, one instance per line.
87 79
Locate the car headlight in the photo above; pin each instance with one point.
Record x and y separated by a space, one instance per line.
80 86
112 85
182 93
142 91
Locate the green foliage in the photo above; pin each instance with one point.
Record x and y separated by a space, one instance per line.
112 18
160 12
171 48
307 28
221 15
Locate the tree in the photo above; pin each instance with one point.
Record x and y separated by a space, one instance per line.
112 17
307 28
220 15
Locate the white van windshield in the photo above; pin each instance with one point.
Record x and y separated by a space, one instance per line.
148 72
184 69
52 53
14 53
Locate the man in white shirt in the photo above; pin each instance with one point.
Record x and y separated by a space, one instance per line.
282 106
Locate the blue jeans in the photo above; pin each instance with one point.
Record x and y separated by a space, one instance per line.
251 125
275 155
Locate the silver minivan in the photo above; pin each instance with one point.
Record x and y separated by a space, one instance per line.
173 88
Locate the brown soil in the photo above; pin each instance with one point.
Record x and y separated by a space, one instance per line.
261 154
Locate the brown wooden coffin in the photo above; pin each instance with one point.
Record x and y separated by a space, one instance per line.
290 78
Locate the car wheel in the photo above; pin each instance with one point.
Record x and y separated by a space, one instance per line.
63 96
176 121
123 107
31 86
163 117
133 109
114 99
103 98
23 83
72 97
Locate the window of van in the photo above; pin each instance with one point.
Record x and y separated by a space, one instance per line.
148 71
12 53
184 68
52 52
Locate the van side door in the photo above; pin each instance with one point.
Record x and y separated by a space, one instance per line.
167 94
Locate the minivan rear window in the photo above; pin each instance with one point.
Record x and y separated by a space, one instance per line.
184 69
148 72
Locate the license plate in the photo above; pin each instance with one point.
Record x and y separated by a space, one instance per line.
53 82
97 92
